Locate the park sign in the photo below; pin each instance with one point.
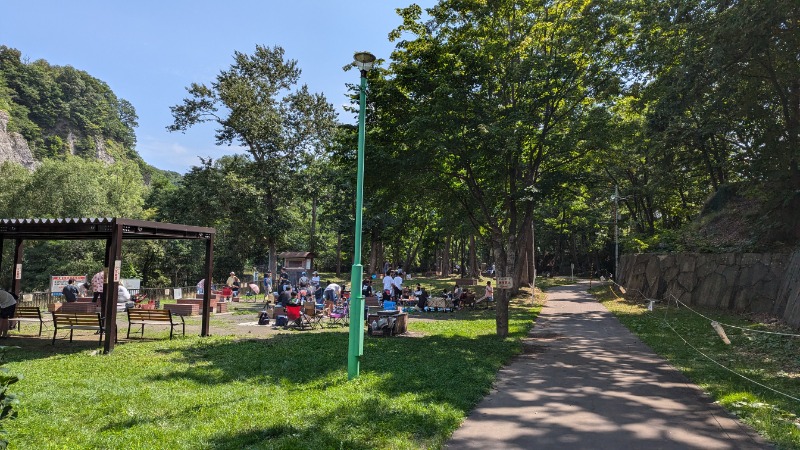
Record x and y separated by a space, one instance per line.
504 283
57 282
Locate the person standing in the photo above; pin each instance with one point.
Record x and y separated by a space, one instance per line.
8 304
387 282
315 280
397 281
302 281
70 291
97 288
267 284
201 286
230 280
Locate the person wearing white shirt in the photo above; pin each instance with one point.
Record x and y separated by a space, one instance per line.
331 294
123 295
398 285
387 282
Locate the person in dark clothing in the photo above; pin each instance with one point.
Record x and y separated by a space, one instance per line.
366 288
422 299
286 296
70 291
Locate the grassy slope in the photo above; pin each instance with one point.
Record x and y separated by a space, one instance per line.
290 391
769 359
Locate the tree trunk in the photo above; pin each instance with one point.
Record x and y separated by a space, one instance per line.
475 271
273 259
446 267
313 238
338 254
373 252
502 295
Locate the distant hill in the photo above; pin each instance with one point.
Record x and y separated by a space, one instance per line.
49 111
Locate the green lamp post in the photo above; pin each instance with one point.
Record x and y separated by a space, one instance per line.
364 62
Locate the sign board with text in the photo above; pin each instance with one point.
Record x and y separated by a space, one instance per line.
504 283
57 282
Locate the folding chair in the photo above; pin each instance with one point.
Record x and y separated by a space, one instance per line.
297 319
340 316
312 315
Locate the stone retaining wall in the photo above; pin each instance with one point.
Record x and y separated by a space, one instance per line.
753 282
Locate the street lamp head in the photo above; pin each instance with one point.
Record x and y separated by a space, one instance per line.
364 60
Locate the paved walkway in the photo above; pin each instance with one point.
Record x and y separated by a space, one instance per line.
585 382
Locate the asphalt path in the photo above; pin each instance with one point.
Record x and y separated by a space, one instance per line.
586 382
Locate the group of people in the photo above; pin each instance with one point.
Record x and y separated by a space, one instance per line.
71 292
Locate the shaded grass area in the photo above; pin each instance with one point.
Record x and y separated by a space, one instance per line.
771 360
286 391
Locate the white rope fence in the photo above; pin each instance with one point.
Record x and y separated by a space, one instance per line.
728 369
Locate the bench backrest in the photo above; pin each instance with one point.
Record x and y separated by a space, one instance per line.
466 282
76 318
28 312
149 314
372 301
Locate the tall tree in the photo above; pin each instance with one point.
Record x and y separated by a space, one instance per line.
500 92
257 105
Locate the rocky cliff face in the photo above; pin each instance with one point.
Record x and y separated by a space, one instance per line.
13 146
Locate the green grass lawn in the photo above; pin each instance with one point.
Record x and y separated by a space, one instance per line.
771 360
287 391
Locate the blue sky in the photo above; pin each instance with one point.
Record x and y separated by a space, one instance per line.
149 51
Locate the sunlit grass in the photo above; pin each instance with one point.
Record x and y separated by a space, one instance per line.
771 360
284 391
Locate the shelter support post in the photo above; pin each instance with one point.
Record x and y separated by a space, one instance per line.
111 288
208 270
16 269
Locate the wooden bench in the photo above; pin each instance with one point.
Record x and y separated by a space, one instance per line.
466 282
77 321
154 317
28 314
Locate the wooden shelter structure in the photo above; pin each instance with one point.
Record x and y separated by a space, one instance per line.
297 262
114 231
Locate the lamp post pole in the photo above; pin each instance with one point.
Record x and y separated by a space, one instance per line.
616 233
364 61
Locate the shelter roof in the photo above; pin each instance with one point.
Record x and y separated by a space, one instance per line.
98 228
296 255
